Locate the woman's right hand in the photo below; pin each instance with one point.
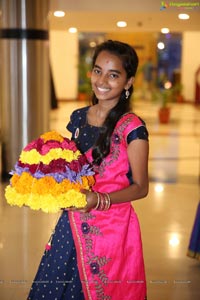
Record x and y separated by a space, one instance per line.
91 198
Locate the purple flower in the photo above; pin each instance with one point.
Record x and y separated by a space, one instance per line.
86 171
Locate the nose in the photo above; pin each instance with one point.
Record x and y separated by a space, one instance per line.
102 79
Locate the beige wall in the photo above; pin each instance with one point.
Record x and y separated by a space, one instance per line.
64 63
190 63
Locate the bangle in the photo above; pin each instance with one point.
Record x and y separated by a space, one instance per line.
108 201
98 201
103 201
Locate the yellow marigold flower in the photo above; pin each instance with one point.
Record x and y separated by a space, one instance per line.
34 157
34 201
52 135
45 202
30 157
73 198
14 198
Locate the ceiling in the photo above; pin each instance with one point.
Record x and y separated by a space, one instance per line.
102 15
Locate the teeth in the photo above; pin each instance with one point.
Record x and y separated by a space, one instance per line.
103 89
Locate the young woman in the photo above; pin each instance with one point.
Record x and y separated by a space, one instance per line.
97 251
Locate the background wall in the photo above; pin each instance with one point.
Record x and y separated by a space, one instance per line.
190 63
64 56
64 63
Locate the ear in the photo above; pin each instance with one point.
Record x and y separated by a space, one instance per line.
129 83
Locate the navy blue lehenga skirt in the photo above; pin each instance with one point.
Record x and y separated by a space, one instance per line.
57 277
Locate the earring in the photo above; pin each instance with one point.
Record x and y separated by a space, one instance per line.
127 94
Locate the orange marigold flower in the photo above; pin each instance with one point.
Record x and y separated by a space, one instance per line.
85 182
91 180
77 186
24 184
14 179
52 135
66 185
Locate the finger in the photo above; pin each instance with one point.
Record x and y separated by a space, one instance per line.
73 208
83 191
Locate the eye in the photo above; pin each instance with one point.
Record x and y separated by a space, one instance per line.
96 71
114 75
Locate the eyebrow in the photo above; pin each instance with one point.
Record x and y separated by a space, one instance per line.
116 71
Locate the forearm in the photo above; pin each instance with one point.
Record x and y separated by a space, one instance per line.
131 193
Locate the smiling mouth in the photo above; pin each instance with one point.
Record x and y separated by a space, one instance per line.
103 90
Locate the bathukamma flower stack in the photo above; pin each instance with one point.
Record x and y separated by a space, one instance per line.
49 175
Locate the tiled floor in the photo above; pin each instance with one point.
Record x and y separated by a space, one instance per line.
166 215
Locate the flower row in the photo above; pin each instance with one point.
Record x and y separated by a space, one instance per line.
34 157
44 147
46 202
25 184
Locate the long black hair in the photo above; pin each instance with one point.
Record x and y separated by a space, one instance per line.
129 59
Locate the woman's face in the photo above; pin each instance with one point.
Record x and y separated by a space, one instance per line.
108 77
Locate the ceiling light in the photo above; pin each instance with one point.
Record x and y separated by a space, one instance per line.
59 13
167 85
72 29
92 44
183 16
165 30
161 45
121 24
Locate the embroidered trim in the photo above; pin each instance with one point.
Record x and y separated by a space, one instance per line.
95 262
116 138
71 215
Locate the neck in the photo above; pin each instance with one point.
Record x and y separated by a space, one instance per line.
105 106
101 114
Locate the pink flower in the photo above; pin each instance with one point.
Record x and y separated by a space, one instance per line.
48 146
75 166
36 144
55 166
82 160
32 168
67 144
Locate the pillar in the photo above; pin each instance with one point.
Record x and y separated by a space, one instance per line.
24 75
